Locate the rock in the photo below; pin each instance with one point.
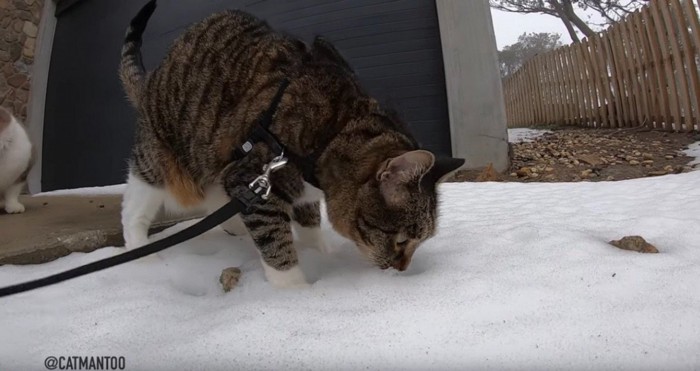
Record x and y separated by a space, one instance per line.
15 51
29 29
634 162
17 25
16 81
523 172
668 167
657 173
229 278
534 175
514 175
610 178
669 157
647 156
592 160
634 243
548 169
28 50
648 162
575 162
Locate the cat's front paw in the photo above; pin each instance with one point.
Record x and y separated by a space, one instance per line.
14 208
292 278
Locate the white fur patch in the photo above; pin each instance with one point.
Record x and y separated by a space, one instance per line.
311 237
214 197
291 278
15 156
311 194
140 205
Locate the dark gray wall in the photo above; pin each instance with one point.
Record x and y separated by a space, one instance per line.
393 45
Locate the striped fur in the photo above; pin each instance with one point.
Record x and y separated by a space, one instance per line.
205 97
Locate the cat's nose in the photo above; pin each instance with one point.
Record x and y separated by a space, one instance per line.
400 264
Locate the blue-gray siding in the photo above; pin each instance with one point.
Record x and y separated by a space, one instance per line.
394 45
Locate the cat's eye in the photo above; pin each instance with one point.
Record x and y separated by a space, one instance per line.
401 241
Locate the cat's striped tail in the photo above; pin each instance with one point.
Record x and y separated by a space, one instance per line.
131 70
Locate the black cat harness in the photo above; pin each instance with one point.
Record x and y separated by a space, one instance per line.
257 191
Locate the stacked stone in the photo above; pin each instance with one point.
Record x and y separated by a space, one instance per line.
19 20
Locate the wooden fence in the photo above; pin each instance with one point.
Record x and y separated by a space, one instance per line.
641 71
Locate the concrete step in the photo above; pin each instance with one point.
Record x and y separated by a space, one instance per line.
55 226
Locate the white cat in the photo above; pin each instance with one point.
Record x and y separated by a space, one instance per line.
15 161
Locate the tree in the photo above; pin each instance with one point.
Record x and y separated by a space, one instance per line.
566 10
512 57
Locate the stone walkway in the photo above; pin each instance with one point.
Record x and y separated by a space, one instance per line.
55 226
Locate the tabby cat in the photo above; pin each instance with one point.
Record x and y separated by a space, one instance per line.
15 161
203 101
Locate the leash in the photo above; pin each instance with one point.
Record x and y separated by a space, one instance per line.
258 190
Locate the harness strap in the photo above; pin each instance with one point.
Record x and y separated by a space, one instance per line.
260 131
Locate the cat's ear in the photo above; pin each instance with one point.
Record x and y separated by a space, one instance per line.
444 166
5 118
396 174
324 50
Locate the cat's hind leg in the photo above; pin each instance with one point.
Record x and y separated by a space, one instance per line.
306 221
12 204
141 203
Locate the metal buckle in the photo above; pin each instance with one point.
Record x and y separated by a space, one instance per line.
261 185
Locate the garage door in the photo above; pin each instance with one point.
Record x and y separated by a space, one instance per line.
393 45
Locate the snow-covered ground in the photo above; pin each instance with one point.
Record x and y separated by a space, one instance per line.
693 151
116 189
517 135
520 276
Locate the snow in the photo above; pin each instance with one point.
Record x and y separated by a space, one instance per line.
519 276
517 135
116 189
693 151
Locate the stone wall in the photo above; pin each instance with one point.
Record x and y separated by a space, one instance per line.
19 21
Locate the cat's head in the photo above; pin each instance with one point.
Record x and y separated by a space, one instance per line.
396 209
